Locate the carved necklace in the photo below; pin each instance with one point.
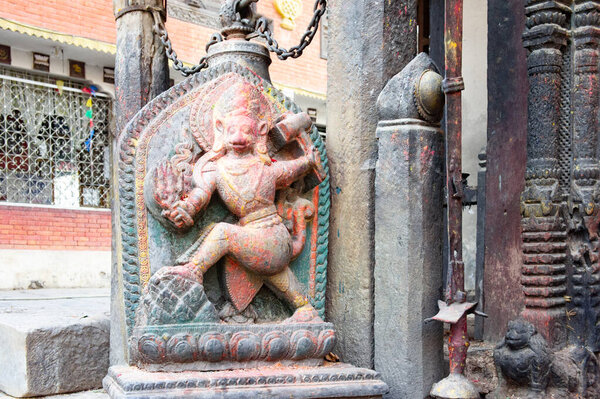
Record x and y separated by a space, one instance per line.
246 192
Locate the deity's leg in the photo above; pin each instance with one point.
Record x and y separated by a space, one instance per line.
213 248
262 250
286 285
265 251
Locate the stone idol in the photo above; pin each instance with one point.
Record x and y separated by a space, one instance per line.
224 208
528 368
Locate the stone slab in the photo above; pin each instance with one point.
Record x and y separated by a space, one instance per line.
54 340
334 380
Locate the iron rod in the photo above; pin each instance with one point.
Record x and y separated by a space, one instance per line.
49 85
458 340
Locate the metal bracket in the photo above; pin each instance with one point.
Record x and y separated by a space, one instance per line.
469 193
453 85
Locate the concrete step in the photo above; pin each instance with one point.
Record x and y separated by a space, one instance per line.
54 341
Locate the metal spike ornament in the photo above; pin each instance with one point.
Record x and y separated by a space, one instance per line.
455 308
289 10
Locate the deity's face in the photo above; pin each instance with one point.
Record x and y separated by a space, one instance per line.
241 132
518 334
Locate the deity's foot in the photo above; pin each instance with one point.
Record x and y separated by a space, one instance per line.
230 314
304 314
184 271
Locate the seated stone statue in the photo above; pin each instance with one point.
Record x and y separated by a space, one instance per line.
523 356
527 368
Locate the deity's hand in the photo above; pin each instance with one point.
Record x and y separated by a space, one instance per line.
179 215
168 185
313 156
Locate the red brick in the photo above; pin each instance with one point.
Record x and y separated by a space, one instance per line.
27 227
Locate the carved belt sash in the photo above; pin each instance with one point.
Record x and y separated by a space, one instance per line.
261 215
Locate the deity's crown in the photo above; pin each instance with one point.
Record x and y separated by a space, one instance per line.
243 98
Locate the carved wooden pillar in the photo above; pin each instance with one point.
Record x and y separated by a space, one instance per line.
560 206
584 201
544 275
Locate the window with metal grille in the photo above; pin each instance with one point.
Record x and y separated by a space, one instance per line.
50 152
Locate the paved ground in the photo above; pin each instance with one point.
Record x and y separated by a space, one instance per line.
52 307
99 394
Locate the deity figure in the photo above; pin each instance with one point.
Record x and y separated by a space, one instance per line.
523 356
258 247
528 368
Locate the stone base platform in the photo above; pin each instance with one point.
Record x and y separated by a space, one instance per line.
332 380
219 346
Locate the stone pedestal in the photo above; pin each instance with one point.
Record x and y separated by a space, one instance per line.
220 346
332 380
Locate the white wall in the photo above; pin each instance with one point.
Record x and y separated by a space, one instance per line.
474 113
54 269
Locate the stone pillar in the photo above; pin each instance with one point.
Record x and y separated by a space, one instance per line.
141 67
141 73
544 240
408 230
369 42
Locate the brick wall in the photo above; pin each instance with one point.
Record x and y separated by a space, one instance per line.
94 19
32 227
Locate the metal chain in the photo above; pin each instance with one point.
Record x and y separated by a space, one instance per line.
262 30
161 31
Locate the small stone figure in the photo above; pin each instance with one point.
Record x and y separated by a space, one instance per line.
527 368
523 357
258 248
